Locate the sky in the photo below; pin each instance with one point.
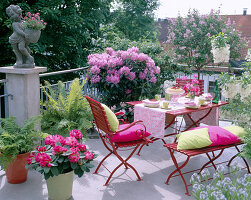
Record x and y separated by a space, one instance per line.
171 8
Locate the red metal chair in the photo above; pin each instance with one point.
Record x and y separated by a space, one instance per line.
181 83
106 135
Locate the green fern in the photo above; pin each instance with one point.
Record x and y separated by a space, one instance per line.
65 111
16 140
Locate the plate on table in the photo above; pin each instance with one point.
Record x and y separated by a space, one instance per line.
151 104
192 107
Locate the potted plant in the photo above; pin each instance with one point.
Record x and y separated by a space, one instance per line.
15 144
66 110
32 26
220 48
192 88
58 159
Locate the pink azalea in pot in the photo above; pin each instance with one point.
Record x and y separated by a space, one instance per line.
61 155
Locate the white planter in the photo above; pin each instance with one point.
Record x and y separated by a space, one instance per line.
221 54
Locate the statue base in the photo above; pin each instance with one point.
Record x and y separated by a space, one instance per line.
24 65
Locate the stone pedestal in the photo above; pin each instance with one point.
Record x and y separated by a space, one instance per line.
23 85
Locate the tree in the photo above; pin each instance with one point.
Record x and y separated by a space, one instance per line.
191 42
67 39
135 19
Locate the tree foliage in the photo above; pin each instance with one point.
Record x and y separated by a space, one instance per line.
190 38
67 39
135 19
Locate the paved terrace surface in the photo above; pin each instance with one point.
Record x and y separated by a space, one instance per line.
154 165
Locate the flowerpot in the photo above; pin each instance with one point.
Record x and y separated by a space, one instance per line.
60 187
32 35
221 54
16 172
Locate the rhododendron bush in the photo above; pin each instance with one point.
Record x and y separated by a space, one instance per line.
61 155
122 75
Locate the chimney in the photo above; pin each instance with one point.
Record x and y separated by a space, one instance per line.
244 11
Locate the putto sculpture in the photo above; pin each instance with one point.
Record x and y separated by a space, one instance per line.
25 31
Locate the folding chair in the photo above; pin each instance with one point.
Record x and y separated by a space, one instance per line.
108 137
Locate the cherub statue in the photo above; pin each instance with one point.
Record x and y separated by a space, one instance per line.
18 39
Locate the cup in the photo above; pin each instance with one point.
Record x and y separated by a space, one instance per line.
168 97
157 97
165 104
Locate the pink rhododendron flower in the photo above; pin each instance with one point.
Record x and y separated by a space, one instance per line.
124 70
195 76
43 159
76 133
132 76
59 150
74 157
53 139
71 141
153 79
128 91
109 50
41 149
95 69
29 159
88 155
81 147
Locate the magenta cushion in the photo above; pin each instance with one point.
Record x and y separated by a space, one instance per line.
220 136
129 134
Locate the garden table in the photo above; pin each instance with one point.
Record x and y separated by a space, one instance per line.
157 120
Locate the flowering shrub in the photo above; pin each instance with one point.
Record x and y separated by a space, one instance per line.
33 21
221 188
191 42
237 90
192 87
61 155
122 75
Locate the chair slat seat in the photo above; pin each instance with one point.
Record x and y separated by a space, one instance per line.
130 144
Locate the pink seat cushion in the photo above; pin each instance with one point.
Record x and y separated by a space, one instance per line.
220 136
128 135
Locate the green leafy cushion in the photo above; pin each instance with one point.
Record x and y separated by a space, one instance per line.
236 130
111 117
193 139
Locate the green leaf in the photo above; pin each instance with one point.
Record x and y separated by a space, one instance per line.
74 165
61 159
46 169
83 167
66 165
89 165
46 176
55 171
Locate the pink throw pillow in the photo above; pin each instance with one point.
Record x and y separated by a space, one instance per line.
220 136
129 134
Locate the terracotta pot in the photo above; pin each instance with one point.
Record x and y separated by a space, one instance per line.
16 172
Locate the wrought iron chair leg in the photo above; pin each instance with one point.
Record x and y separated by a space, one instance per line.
242 159
96 171
178 169
106 183
211 161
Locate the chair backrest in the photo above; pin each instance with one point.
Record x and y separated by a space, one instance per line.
181 83
99 115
